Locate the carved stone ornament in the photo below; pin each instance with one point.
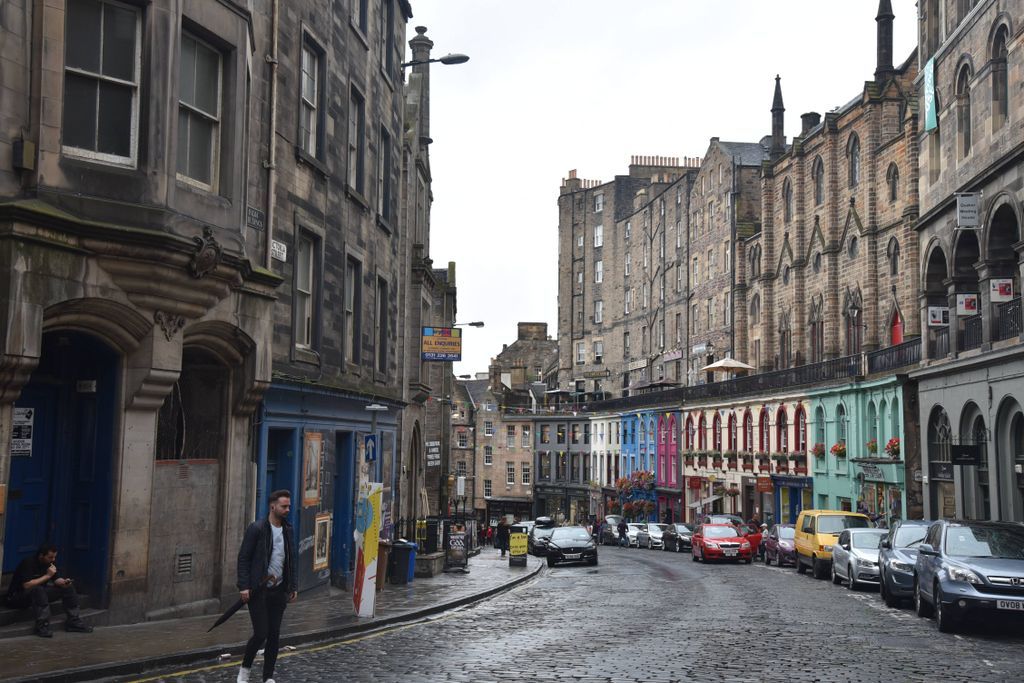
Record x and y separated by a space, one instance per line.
170 323
207 255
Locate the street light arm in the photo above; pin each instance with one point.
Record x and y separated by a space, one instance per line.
446 60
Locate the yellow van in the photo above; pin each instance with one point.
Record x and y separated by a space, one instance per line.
817 531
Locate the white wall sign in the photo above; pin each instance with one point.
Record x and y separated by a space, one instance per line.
1001 289
278 250
938 316
21 432
966 304
967 206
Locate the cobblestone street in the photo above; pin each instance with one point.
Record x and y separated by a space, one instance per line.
656 616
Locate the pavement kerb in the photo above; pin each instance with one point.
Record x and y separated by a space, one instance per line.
141 666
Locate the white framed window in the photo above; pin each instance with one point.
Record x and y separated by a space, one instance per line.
679 277
525 468
661 334
199 107
629 262
510 436
629 229
679 328
598 205
579 241
510 474
598 311
581 353
102 66
599 271
309 100
598 352
461 439
488 428
625 344
598 235
525 433
460 468
628 302
645 292
488 455
305 308
488 489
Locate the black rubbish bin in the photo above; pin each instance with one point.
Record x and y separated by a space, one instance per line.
398 562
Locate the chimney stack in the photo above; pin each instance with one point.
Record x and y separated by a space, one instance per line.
421 45
809 121
884 68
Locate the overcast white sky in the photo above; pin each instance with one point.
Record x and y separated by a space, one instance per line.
554 85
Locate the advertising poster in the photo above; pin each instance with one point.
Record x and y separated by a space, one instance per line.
1001 290
311 469
938 316
966 304
21 432
322 541
367 535
517 550
442 343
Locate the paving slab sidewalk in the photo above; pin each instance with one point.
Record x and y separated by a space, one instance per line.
136 648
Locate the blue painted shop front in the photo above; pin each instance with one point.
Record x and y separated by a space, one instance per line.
792 494
311 442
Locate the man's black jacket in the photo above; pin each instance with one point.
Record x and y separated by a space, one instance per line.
254 556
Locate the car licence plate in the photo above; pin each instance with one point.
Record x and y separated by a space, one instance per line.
573 556
729 553
1017 605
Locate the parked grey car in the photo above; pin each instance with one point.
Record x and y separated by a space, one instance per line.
633 528
967 567
855 557
649 536
897 557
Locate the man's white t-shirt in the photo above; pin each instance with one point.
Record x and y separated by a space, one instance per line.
276 567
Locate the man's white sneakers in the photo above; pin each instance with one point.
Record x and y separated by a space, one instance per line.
243 675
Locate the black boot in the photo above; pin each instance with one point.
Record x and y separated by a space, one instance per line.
77 625
43 629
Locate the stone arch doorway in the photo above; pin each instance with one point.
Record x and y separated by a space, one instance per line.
942 493
1009 441
976 486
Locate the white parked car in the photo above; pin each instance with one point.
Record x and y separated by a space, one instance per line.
650 535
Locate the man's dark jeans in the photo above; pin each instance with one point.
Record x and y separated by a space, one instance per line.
266 609
39 597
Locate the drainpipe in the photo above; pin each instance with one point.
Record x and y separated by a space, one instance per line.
270 163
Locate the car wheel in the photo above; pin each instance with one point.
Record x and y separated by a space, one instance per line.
923 609
749 560
551 562
818 568
943 618
851 581
650 544
800 568
889 599
836 579
593 562
767 559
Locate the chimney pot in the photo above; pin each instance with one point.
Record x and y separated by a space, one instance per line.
809 121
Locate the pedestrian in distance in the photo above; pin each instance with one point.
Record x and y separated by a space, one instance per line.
623 533
35 582
764 537
501 536
267 582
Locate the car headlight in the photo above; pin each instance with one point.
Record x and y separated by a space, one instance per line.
902 566
826 548
711 544
867 563
965 575
745 544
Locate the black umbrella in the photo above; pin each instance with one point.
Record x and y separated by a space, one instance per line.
235 607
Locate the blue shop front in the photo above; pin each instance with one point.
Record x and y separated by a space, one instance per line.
792 494
312 442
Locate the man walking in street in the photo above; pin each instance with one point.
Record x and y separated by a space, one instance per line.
36 580
501 537
623 533
266 582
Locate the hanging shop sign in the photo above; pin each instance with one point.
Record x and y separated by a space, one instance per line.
442 343
965 455
938 316
764 485
433 453
1000 290
966 304
968 206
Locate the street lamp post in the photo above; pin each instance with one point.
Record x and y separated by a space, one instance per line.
447 60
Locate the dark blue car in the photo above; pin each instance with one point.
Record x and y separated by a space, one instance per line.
966 567
897 557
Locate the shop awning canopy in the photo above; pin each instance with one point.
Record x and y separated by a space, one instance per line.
702 503
727 364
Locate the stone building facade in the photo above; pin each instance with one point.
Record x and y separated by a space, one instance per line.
971 54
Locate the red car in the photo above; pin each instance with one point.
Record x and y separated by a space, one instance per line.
720 542
752 534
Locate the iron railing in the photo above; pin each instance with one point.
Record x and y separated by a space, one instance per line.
1008 317
970 336
898 356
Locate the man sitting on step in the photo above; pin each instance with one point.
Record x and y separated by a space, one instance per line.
35 582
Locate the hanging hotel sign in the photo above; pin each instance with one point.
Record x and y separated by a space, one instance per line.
965 455
966 304
442 343
433 452
938 316
764 485
968 205
1000 289
931 120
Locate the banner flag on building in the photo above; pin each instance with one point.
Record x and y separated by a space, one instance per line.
931 119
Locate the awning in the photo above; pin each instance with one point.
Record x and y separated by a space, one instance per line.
702 503
727 364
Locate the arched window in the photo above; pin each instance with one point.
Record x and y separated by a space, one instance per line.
785 342
782 431
755 261
766 436
854 330
963 111
787 200
892 253
801 430
816 323
819 426
755 310
1000 79
853 160
748 432
702 434
892 179
690 431
716 426
841 424
819 181
733 446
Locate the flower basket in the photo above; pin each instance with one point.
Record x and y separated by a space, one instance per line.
839 450
780 457
732 492
716 463
872 446
649 507
748 465
800 469
892 447
818 450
